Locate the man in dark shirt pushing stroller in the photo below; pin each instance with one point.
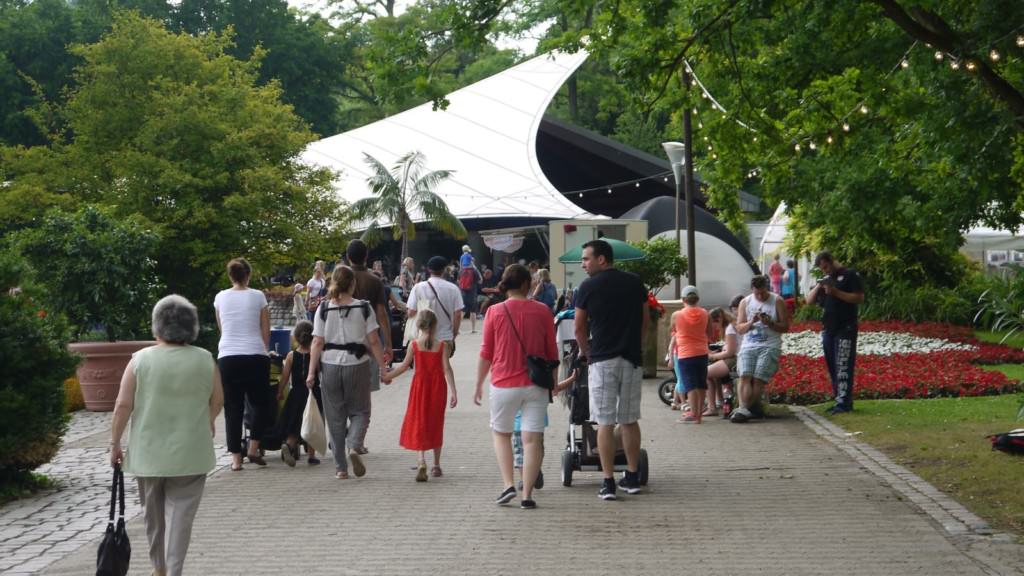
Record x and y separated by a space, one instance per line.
610 324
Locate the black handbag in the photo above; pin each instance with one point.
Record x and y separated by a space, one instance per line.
537 367
115 550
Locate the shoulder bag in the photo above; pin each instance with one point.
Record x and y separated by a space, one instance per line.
539 368
115 550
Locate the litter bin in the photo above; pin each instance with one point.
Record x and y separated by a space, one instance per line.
281 340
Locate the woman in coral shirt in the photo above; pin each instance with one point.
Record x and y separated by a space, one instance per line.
512 330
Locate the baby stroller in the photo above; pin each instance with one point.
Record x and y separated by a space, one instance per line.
272 437
581 450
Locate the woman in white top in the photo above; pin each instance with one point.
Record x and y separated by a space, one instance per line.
722 362
243 318
344 334
316 289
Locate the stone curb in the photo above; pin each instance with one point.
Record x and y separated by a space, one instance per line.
959 523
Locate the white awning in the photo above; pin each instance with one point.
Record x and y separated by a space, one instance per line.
487 136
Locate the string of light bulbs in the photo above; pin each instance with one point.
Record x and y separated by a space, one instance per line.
609 188
844 123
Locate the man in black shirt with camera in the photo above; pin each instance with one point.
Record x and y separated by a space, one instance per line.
839 292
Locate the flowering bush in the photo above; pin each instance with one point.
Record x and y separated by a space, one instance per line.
895 360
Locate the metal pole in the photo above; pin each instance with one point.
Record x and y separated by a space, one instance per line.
679 241
691 247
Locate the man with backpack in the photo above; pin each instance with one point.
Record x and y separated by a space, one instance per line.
443 298
370 288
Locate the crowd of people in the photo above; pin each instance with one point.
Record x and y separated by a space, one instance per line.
751 334
172 393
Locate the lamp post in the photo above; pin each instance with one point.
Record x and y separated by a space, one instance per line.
676 152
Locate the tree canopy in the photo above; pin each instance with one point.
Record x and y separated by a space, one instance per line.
171 128
885 152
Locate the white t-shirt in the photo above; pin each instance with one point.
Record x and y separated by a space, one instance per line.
315 286
240 330
760 335
448 296
345 326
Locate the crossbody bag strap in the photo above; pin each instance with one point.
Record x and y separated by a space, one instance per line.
514 329
437 298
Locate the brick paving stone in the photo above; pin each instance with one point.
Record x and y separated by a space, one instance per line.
771 497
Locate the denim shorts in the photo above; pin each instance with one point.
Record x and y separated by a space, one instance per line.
694 372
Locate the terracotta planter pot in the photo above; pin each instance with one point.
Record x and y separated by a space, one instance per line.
100 372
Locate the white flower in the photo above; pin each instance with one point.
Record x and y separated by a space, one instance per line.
808 343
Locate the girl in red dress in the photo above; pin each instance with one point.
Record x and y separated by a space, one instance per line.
423 428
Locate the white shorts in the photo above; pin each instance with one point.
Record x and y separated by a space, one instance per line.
614 391
506 402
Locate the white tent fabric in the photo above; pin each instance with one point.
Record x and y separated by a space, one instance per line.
487 136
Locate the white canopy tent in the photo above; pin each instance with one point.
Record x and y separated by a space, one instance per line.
487 136
991 247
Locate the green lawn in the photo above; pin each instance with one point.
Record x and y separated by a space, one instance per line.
1014 341
944 441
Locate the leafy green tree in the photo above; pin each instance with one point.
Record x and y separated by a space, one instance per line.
402 195
930 150
97 269
171 128
36 363
662 265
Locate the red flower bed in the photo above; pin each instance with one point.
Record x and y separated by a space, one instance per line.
923 329
804 380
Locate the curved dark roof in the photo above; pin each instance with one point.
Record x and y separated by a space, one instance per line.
660 218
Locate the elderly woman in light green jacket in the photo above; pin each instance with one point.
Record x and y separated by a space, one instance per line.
172 393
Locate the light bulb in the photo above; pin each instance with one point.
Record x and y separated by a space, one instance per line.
938 56
609 190
904 64
1020 41
755 138
705 138
700 124
994 55
581 194
846 127
714 156
665 178
637 184
797 147
863 109
812 146
954 65
828 140
971 65
695 111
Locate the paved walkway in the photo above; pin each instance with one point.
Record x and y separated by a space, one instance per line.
773 497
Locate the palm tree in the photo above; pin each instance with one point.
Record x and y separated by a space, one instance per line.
406 188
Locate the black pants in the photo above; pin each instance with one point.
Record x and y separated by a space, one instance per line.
841 355
245 377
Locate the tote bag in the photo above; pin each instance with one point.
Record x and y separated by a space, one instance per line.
115 550
313 430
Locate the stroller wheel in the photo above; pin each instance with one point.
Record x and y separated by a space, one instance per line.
666 390
567 466
641 467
